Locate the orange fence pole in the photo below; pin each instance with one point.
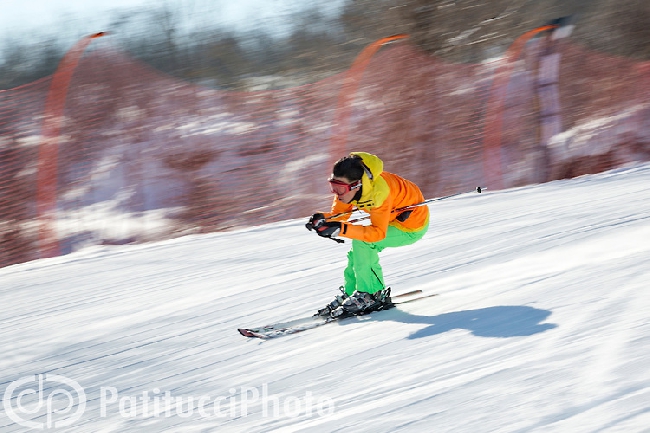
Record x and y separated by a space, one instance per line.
46 189
493 124
348 92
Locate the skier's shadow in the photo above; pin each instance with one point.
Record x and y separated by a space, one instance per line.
499 322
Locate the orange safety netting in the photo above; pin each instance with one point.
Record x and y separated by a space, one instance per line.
130 155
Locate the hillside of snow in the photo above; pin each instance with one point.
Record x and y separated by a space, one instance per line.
541 325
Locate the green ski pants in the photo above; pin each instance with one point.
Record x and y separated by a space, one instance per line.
364 272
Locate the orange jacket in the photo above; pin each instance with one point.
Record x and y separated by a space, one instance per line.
381 195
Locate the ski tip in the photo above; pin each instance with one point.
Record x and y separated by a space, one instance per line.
251 334
245 332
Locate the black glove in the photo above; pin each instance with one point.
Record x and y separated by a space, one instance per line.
328 229
315 221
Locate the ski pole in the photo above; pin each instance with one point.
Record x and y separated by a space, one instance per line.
478 189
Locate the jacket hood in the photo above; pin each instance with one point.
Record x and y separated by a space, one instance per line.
372 162
374 188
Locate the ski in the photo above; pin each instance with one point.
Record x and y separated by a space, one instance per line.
311 322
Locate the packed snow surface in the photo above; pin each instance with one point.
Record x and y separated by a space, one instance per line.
541 325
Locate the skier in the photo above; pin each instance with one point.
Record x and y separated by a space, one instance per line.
358 181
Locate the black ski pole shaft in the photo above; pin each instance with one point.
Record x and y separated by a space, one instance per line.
339 215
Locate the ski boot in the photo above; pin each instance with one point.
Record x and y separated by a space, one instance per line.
361 303
332 306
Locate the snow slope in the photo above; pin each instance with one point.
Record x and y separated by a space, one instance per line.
541 326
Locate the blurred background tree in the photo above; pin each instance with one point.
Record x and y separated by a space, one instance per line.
316 45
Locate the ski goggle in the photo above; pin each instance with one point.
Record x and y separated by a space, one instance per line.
340 188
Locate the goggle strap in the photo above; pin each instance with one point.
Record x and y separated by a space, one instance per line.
367 171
